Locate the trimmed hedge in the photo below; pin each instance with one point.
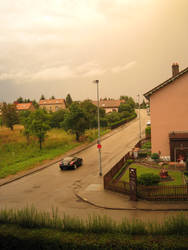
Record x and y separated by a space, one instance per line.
122 121
148 179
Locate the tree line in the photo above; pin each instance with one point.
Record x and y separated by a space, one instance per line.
78 117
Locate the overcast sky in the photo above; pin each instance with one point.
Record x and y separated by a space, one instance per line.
56 47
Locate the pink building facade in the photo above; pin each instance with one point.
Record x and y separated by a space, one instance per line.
169 116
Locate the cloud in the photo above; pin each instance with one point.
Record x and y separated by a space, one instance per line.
125 67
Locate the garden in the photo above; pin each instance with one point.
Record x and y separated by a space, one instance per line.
156 179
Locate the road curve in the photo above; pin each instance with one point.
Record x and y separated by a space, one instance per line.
54 188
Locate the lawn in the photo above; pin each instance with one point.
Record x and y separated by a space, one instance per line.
176 175
16 154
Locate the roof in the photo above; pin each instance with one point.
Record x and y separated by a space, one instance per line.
23 106
167 82
178 135
108 103
51 101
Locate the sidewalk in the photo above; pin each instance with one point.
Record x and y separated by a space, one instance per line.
95 195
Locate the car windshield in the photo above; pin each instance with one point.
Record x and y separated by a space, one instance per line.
67 160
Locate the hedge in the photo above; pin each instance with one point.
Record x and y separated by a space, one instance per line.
122 121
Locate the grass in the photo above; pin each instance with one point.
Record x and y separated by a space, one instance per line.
177 175
17 155
29 217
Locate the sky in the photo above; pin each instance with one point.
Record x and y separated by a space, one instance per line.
56 47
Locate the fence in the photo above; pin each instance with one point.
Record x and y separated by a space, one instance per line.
179 192
108 177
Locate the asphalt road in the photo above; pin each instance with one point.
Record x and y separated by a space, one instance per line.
52 187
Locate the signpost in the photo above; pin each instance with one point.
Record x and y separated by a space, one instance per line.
132 181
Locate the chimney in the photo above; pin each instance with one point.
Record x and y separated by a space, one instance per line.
175 69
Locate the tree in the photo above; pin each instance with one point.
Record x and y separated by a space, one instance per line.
113 117
128 100
56 118
53 97
75 120
125 107
25 120
35 104
20 100
68 100
9 115
42 97
143 105
37 124
90 111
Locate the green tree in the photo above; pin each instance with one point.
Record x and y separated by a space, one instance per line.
113 117
143 105
35 104
42 97
20 100
9 115
90 111
75 120
53 97
128 100
38 125
25 120
125 107
56 118
68 100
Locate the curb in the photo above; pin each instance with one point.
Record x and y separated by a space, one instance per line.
32 171
129 209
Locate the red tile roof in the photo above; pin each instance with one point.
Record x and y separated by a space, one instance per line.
108 103
23 106
51 101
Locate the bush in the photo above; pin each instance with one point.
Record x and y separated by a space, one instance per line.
148 132
142 154
187 163
129 161
155 156
148 179
186 173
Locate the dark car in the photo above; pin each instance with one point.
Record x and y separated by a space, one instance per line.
70 163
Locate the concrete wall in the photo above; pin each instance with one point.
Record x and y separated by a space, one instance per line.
169 112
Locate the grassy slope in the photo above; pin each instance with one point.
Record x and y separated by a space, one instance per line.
17 155
177 175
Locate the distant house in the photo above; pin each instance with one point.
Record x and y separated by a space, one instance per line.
109 105
169 116
52 104
25 106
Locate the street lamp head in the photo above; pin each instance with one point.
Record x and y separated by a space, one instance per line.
96 81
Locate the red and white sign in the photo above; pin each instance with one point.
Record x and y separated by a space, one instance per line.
99 146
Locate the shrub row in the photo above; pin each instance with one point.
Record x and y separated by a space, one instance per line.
123 121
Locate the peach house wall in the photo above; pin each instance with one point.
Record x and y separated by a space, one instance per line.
169 112
52 108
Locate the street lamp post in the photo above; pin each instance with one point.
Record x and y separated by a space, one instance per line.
98 118
139 116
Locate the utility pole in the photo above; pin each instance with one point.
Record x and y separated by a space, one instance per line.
139 116
98 118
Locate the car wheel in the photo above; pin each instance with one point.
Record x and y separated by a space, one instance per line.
75 167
